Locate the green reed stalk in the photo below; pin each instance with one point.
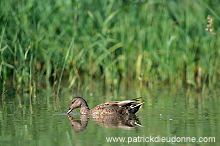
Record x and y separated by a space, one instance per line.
151 42
64 64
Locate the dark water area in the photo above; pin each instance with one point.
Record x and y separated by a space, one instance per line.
168 113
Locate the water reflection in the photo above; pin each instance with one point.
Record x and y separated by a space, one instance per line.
113 121
168 113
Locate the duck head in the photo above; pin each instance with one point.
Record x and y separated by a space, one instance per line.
77 102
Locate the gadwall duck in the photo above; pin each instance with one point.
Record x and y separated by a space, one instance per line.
125 107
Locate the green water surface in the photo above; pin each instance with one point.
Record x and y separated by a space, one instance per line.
40 120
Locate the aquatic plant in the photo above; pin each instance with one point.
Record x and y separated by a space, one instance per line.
149 42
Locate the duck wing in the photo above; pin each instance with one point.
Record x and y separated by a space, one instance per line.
105 109
123 103
117 107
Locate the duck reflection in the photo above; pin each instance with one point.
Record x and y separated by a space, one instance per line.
113 121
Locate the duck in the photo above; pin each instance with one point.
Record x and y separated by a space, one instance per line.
126 107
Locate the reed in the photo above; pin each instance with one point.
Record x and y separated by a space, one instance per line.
151 42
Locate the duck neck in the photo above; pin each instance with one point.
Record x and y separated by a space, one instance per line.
84 108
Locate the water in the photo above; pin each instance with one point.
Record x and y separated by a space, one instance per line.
166 113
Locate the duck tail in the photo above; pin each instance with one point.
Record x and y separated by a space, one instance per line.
137 105
134 108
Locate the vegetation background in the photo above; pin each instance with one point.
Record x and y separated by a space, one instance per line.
148 42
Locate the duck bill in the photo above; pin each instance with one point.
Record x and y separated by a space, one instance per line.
69 111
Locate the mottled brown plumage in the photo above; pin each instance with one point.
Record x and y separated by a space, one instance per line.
125 107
